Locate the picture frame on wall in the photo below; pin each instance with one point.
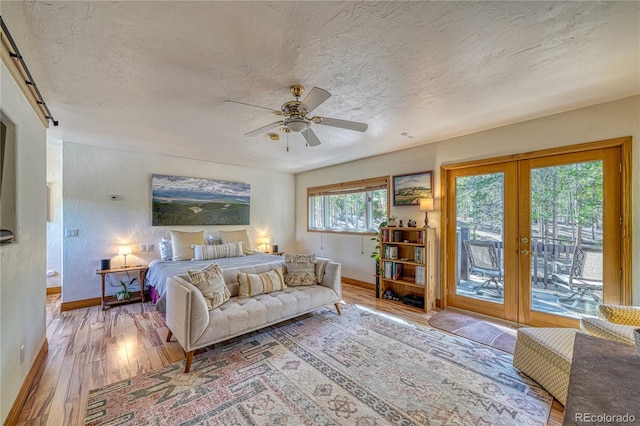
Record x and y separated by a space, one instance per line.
188 201
409 188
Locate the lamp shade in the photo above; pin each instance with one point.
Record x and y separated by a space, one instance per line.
124 250
426 204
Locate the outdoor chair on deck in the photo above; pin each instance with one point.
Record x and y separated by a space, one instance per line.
483 258
585 275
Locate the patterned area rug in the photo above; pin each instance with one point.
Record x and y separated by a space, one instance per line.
360 368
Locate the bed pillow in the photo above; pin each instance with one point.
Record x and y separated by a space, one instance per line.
165 249
181 243
254 284
240 235
211 284
208 252
301 269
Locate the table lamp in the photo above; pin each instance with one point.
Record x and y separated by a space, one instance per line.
124 251
426 205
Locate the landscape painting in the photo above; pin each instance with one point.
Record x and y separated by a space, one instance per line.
185 201
410 188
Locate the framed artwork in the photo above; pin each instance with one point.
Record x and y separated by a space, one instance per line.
410 188
178 200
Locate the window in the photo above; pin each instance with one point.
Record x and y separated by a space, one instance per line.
358 206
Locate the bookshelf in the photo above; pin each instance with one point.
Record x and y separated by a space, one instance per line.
407 263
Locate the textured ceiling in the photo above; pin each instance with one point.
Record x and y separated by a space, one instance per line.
153 75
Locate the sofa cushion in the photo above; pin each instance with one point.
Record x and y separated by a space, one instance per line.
211 284
238 316
250 285
301 269
627 315
608 330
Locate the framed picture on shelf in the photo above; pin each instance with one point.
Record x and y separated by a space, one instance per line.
410 188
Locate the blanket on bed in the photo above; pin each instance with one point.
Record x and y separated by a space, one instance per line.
160 270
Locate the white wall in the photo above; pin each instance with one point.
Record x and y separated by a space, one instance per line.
604 121
22 264
91 174
54 218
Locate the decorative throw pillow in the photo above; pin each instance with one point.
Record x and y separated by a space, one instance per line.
240 235
181 243
254 284
208 252
211 284
301 269
165 249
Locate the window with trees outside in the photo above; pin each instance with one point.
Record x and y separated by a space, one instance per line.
357 206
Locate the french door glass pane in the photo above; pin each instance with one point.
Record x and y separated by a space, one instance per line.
480 237
566 238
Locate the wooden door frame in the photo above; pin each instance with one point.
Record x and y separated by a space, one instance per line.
625 144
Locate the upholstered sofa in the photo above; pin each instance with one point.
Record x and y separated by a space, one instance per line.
545 354
614 322
195 327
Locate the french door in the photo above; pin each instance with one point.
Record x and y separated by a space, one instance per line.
536 240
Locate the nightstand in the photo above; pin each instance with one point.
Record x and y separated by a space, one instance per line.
135 297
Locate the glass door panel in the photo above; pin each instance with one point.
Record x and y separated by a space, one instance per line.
566 238
484 214
480 236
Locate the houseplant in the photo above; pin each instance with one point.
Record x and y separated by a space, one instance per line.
375 255
125 293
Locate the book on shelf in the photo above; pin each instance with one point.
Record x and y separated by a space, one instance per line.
419 254
391 252
420 275
392 270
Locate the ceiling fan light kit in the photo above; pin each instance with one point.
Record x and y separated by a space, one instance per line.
296 117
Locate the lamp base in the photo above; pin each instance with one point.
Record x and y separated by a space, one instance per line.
426 220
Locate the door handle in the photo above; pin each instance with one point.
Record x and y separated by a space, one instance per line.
524 252
524 240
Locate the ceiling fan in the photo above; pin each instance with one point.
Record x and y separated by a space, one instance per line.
296 115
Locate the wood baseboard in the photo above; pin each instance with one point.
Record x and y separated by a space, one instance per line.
359 283
34 373
77 304
54 290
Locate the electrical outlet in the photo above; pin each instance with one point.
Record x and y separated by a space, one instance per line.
149 247
71 233
272 240
143 247
21 354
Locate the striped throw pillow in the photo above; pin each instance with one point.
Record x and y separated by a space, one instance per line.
217 251
254 284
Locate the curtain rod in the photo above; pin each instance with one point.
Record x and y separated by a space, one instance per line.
29 81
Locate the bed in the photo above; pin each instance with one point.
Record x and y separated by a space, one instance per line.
160 270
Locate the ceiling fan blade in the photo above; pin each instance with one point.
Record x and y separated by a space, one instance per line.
265 128
315 97
248 106
343 124
311 137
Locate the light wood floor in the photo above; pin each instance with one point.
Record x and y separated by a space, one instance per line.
89 348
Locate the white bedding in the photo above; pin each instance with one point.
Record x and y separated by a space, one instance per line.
160 270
